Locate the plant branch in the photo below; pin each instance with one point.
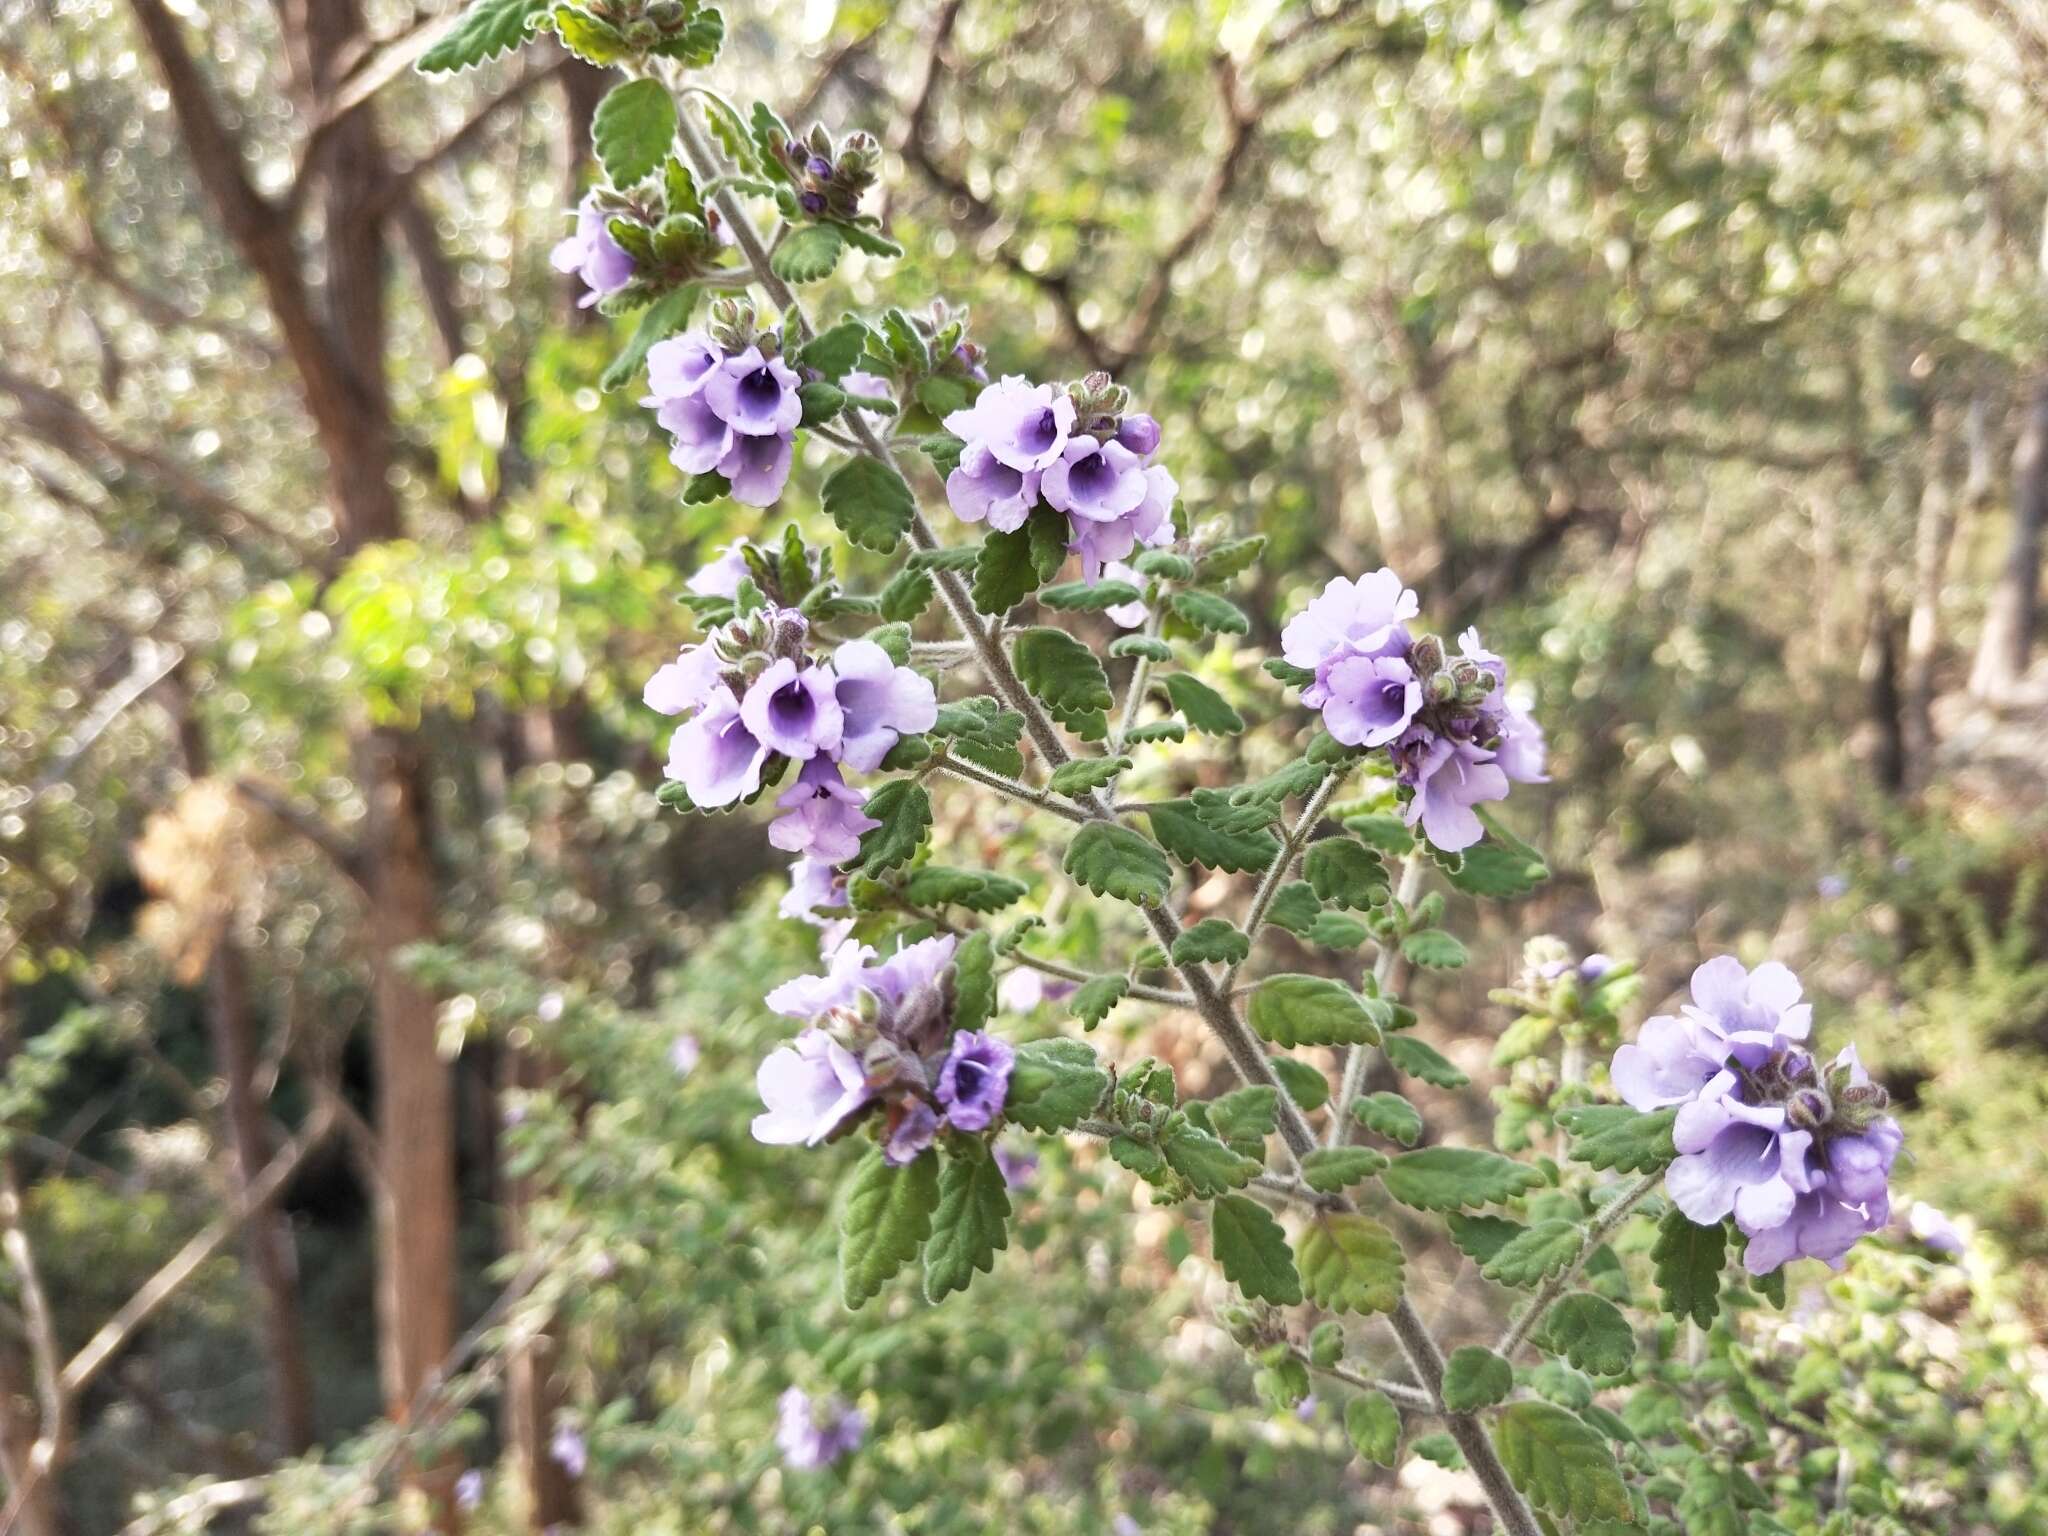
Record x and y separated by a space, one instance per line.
1291 844
1616 1212
1383 978
1411 1398
1024 794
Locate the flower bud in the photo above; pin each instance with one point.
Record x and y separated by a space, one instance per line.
1426 655
1139 433
1441 688
1809 1109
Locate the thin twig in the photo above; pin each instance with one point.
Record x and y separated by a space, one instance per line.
1613 1215
1383 979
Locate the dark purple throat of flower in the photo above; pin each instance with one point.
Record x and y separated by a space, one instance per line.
760 389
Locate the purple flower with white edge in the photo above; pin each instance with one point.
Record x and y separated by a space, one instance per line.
714 755
568 1450
914 1126
1365 617
1151 524
1098 482
683 1054
975 1080
685 683
592 254
1449 778
680 366
822 814
757 468
981 487
1024 425
879 703
809 1087
813 1433
755 395
699 439
792 709
1370 699
722 577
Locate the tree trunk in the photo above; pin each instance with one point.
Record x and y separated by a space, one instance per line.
1881 674
2007 643
1934 530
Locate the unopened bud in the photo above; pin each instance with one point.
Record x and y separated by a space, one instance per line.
1426 655
1809 1109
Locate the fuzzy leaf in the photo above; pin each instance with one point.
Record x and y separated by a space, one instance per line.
1498 873
1330 1169
1213 939
1374 1425
1211 613
1294 908
1456 1178
870 502
1230 558
1155 730
1337 930
487 29
1292 1010
1591 1332
1148 646
1417 1059
836 352
1066 677
938 885
909 592
1561 1463
1384 831
974 981
1083 774
1183 832
1346 872
905 813
1434 948
1013 564
1202 706
1249 1113
1476 1378
1535 1254
1618 1137
970 1224
1350 1263
1054 1085
808 255
1252 1251
1090 596
1305 1083
1113 860
1388 1115
632 130
1689 1260
886 1218
1093 1002
1209 1166
658 321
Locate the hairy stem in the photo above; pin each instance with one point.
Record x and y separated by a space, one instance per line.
1383 978
1615 1213
1276 872
1024 794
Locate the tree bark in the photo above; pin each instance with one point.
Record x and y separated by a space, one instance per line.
1934 528
2007 642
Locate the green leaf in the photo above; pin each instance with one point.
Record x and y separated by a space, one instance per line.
905 813
909 592
1113 860
1305 1083
982 731
1416 1059
1209 1166
1230 558
1202 706
1149 646
1374 1425
1561 1463
974 981
1346 872
1456 1178
886 1218
1294 908
1055 1084
1498 873
1093 1002
937 885
1330 1169
1591 1332
1066 677
1689 1260
1163 563
698 42
1252 1251
1535 1254
591 40
1337 930
1476 1378
1434 948
1218 810
1206 611
1212 940
1383 831
1083 774
1090 596
706 487
808 255
632 130
1155 730
870 502
1292 1010
487 29
1183 832
1004 575
1142 1157
862 238
971 1222
658 321
1618 1137
1389 1115
1350 1263
1481 1237
1249 1113
835 353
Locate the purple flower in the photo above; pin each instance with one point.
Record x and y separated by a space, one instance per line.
684 1054
879 703
699 439
912 969
1449 778
791 709
808 997
822 815
1023 989
1024 425
469 1489
1151 524
685 683
715 756
869 386
982 487
754 395
812 1433
680 366
1017 1168
1595 966
913 1126
1126 615
1139 433
592 254
567 1448
757 468
1358 618
813 883
975 1080
1933 1228
1098 482
809 1087
1522 752
722 577
1370 700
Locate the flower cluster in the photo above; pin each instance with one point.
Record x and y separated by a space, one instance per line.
756 700
815 1432
1453 735
1799 1153
592 254
1076 449
730 404
831 179
880 1036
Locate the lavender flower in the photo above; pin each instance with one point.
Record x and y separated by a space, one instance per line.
983 488
1098 482
1150 523
592 254
1024 425
914 1125
736 414
814 1433
755 395
1023 989
879 703
1126 615
975 1080
469 1489
1349 618
821 814
757 468
809 1087
685 683
722 577
568 1450
813 883
1800 1156
1933 1228
715 756
1370 700
792 708
680 366
684 1053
